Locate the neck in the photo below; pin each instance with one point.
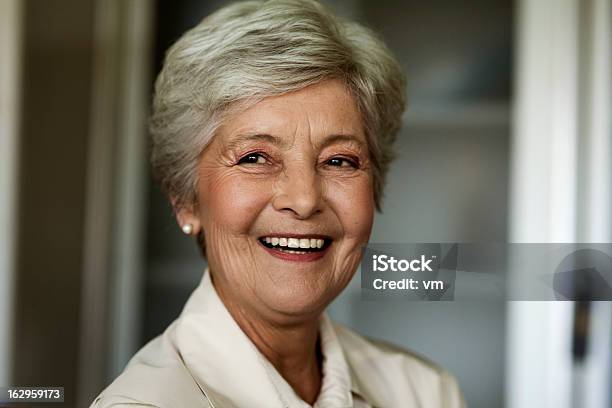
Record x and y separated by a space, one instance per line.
293 349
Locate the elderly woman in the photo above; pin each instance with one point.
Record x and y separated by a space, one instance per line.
272 128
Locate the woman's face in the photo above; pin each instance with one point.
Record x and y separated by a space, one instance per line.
293 170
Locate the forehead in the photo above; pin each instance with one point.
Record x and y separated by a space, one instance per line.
320 110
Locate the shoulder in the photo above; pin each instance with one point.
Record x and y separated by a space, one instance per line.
390 375
115 401
155 377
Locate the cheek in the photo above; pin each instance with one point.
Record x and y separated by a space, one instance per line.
353 202
231 201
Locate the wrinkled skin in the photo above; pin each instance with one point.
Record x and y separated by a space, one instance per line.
301 179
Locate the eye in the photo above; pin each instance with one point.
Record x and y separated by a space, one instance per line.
341 162
253 158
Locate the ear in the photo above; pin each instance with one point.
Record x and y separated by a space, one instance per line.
186 216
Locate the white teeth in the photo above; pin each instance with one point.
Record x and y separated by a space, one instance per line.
292 251
302 243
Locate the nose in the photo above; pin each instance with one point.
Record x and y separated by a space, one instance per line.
298 191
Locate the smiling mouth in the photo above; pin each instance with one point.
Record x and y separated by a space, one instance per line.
296 245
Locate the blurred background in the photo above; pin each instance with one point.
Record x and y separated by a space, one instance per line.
507 139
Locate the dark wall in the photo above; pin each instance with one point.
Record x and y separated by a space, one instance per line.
58 48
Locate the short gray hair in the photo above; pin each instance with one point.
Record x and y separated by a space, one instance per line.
254 49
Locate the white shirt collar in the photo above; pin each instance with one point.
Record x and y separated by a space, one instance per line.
232 371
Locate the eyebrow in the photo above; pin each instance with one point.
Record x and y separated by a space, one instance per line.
330 140
242 139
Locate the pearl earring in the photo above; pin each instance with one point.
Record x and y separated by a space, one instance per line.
187 229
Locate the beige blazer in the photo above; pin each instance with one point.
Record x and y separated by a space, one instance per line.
203 359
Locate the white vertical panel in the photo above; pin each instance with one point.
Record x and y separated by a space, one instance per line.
116 181
127 291
10 55
595 219
538 355
596 374
597 98
98 212
544 143
543 193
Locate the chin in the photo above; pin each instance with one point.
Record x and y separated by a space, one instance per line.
298 303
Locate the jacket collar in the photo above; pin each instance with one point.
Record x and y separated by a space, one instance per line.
231 371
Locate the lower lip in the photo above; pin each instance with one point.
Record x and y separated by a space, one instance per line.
307 257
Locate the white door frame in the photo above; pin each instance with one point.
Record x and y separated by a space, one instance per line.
10 81
560 181
116 181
